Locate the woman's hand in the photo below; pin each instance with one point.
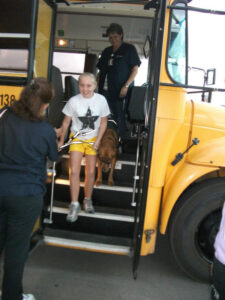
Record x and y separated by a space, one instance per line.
60 143
123 92
58 132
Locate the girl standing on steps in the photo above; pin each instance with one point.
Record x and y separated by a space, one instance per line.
88 112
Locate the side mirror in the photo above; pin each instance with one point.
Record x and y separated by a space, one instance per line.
210 76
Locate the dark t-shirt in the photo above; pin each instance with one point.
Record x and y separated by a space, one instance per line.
24 147
117 66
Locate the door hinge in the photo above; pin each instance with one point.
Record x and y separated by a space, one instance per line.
148 233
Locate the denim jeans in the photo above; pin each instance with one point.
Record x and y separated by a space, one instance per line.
218 280
17 219
118 110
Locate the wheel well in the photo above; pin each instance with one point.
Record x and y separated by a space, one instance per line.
215 174
193 225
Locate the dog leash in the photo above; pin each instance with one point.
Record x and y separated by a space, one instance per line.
70 141
2 113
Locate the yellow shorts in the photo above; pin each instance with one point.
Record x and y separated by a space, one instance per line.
83 147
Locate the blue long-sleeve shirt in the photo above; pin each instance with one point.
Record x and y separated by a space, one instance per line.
24 147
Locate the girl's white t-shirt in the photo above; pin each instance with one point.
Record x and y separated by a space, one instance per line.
86 114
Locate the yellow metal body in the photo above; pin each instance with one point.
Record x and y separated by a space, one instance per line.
43 34
207 157
9 94
178 121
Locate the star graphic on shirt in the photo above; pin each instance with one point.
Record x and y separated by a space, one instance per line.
88 120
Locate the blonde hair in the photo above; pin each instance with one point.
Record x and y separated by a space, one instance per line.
90 75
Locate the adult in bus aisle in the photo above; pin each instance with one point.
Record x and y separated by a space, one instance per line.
88 112
26 140
218 287
118 67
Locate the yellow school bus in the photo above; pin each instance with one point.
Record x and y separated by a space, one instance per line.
169 176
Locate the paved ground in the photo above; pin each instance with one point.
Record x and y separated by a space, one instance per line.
65 274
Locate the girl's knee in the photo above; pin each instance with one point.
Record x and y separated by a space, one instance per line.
90 173
74 173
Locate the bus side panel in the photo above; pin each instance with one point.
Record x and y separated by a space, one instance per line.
204 158
43 40
9 94
170 119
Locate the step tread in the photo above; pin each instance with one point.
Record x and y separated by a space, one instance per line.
82 236
103 209
93 242
97 214
65 181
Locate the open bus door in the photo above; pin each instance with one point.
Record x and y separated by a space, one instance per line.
25 47
155 51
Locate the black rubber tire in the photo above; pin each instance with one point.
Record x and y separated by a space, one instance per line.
196 216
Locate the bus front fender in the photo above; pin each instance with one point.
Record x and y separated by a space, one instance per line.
210 153
186 174
206 158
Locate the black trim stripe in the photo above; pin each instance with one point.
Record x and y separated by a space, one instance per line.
14 81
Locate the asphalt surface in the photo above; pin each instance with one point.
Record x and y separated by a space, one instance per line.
66 274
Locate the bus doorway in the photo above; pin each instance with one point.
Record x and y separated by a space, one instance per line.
112 228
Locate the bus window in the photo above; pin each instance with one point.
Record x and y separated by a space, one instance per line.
14 37
73 64
69 63
13 60
141 76
203 42
176 60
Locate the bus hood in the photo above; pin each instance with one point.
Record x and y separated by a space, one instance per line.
208 127
208 115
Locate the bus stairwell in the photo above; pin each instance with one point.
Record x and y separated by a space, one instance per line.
110 229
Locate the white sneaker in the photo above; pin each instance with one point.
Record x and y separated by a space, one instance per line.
74 210
28 297
88 206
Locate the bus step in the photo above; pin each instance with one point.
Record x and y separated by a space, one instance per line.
97 214
123 172
112 197
102 224
66 182
89 242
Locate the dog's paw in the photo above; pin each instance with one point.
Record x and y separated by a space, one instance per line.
98 182
110 182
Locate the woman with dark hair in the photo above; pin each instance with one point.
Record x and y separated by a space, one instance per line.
118 67
26 140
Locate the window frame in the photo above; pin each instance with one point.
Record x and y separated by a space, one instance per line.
186 41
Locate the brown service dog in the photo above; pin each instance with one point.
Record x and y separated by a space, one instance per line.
107 155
